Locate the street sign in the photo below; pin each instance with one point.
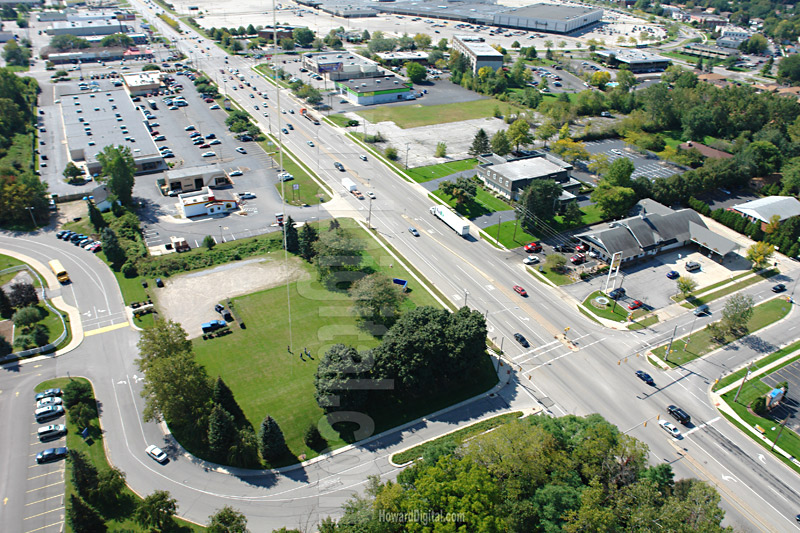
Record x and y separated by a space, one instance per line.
295 186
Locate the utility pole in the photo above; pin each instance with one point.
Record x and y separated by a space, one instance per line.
746 375
30 210
466 294
369 216
669 348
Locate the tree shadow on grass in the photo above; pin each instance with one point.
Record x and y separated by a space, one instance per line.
472 209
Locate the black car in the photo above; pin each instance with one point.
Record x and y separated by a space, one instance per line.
780 287
617 293
51 454
61 233
521 339
564 248
679 414
644 376
159 283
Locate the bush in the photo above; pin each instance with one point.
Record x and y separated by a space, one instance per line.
391 153
759 405
209 242
129 270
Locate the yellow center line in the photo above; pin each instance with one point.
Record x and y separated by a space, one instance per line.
105 329
44 513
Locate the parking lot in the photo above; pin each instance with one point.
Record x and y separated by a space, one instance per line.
44 490
650 167
789 406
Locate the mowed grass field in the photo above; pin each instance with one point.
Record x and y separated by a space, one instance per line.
416 115
255 363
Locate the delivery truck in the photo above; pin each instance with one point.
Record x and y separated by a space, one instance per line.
351 187
458 224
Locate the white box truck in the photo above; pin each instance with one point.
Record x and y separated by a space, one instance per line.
451 219
352 188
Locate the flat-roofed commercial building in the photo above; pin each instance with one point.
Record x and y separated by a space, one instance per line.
509 176
342 65
195 178
552 18
478 53
139 83
370 91
93 121
635 60
710 51
83 28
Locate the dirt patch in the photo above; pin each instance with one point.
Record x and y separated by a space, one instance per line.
189 299
7 330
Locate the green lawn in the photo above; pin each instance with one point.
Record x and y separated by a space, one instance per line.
700 342
117 518
432 172
644 323
483 204
761 363
416 115
458 437
309 190
8 262
614 311
591 215
339 120
266 379
752 280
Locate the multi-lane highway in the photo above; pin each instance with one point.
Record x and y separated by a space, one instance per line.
758 491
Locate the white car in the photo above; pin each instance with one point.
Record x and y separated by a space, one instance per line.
531 260
235 173
371 194
44 402
241 150
214 141
615 151
362 157
215 106
209 154
156 453
310 143
246 195
670 428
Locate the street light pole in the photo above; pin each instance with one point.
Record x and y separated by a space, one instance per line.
669 348
407 149
30 210
220 234
369 215
466 294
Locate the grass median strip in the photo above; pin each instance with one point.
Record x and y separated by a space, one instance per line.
699 343
457 437
761 363
694 301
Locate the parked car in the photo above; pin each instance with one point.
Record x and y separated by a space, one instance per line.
521 339
215 106
235 173
692 266
189 128
673 274
644 376
50 400
577 259
241 150
531 260
53 431
617 293
159 283
533 247
156 453
636 304
246 195
48 412
49 393
670 428
51 454
519 290
208 154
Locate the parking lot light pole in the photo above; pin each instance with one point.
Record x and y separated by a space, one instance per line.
220 234
30 210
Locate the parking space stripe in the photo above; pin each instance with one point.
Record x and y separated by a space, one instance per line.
45 499
47 474
44 487
44 513
61 523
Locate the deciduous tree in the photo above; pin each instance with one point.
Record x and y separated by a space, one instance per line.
519 133
613 201
539 202
686 285
156 511
619 173
463 189
165 339
500 143
23 295
337 379
227 520
416 73
760 254
118 169
375 297
737 313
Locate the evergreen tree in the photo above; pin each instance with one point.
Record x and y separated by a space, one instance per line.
82 518
480 143
313 438
96 217
308 235
114 252
221 431
291 242
271 443
5 346
227 520
244 451
6 311
156 511
84 473
223 397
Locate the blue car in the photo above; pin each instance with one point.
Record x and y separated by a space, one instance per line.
673 274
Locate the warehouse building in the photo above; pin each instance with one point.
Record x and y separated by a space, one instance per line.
371 91
551 18
194 178
83 28
93 121
478 53
635 60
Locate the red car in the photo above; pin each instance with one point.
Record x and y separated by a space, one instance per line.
204 145
582 248
520 290
636 304
577 259
154 133
209 100
533 247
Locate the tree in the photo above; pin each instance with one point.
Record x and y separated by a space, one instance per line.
313 438
422 41
500 143
72 171
619 172
600 79
165 339
416 73
291 241
760 254
15 54
84 473
338 256
546 131
441 149
789 68
67 42
555 262
481 144
82 518
571 151
519 133
686 285
81 414
462 189
736 314
6 310
614 202
23 295
26 317
110 484
303 37
96 217
227 520
243 453
223 396
305 247
375 297
221 431
539 202
78 391
573 214
116 39
271 443
156 511
111 247
340 368
118 169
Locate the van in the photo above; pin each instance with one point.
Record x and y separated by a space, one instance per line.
692 266
50 432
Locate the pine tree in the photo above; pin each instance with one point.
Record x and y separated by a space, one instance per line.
82 518
6 311
221 431
223 396
292 244
308 236
271 443
96 217
84 473
480 143
114 252
313 438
